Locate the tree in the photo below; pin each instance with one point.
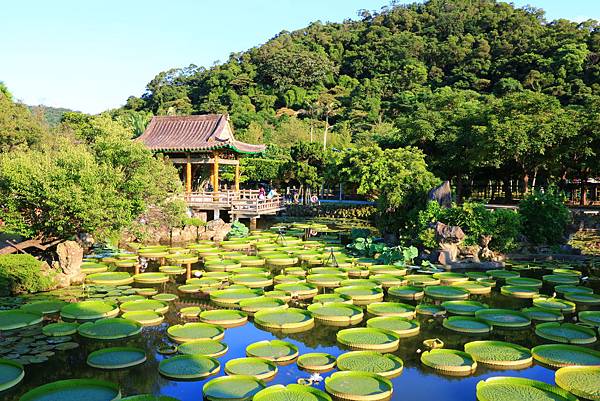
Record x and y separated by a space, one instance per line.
18 128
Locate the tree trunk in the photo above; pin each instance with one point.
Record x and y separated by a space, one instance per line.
325 133
507 190
583 197
535 172
525 184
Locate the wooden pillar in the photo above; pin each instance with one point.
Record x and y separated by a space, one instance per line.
215 172
188 175
237 177
188 271
252 223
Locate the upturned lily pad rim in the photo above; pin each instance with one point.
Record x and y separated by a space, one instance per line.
145 318
488 314
113 278
450 324
471 349
395 371
87 329
172 331
584 317
537 353
232 380
141 359
227 316
260 318
414 328
318 311
456 307
561 377
391 309
37 307
187 347
345 337
147 304
535 313
293 390
25 319
519 381
292 354
426 359
5 385
67 313
216 366
583 298
446 292
232 364
151 278
330 386
544 330
41 391
68 328
545 303
304 364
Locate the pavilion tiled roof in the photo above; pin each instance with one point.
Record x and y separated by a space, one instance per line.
194 134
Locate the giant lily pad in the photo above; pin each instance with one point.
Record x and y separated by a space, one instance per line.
516 291
446 292
232 388
111 278
543 315
11 374
467 324
44 307
499 354
149 397
566 333
251 366
89 310
583 298
358 386
284 319
16 319
151 278
229 297
561 279
189 367
116 358
361 295
195 331
206 347
60 329
316 362
337 313
151 305
580 380
366 338
555 304
505 318
253 305
74 389
224 317
109 328
467 308
590 317
401 326
449 361
524 282
291 392
273 350
300 290
386 365
516 388
560 355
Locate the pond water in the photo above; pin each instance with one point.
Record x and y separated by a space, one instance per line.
416 382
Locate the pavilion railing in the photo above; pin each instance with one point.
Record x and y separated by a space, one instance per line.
242 201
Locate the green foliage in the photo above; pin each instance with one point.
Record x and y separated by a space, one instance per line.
371 248
18 127
238 230
475 220
21 274
545 217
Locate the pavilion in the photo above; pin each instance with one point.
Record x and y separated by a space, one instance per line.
207 140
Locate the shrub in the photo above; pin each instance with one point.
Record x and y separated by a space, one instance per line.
22 273
545 217
238 230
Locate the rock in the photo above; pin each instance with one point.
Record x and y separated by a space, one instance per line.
70 257
448 234
442 194
216 230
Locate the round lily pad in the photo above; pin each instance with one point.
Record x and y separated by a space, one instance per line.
230 297
232 388
165 297
446 292
559 355
447 278
89 310
291 392
366 338
474 287
145 318
151 278
60 329
467 324
543 315
449 361
555 304
358 386
174 270
501 274
336 313
590 317
11 374
251 366
524 282
190 312
516 388
561 279
583 298
273 350
316 362
145 305
391 309
195 331
206 347
505 318
563 289
566 333
44 307
93 267
580 380
299 290
499 354
254 305
109 328
224 317
111 278
403 327
74 389
407 292
430 310
360 294
386 365
282 319
516 291
189 367
116 358
16 319
467 308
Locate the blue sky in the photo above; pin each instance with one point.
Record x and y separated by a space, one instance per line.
91 55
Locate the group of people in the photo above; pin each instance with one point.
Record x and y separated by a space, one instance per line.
263 194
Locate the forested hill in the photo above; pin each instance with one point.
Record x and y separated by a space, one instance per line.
432 75
51 115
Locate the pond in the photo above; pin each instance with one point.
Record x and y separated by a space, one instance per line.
415 382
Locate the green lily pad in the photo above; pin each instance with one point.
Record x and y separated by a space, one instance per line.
449 361
16 319
555 304
205 347
401 326
232 388
111 278
74 389
524 282
251 366
116 358
110 328
543 315
60 329
151 305
430 309
499 354
336 313
189 367
291 392
229 297
467 308
561 279
560 355
11 374
195 331
590 317
583 298
273 350
316 362
149 397
505 318
144 317
166 297
366 338
467 324
566 333
224 317
516 388
254 305
358 386
386 365
44 307
580 380
89 310
519 291
291 318
151 278
446 292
